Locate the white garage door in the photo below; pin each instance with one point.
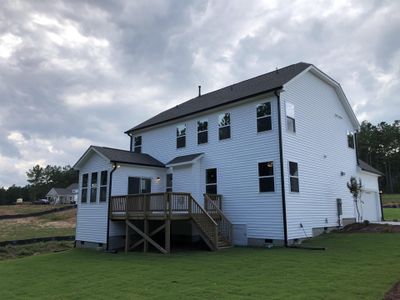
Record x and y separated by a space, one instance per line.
370 206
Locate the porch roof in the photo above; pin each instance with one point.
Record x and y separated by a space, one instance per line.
185 159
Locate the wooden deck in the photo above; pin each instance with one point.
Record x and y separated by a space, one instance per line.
214 227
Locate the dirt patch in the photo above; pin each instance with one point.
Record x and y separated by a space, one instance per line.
371 228
393 293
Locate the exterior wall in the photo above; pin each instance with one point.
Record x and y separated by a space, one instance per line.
236 160
320 148
370 199
92 219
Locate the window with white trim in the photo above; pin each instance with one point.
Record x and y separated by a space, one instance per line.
93 187
84 192
211 181
224 123
264 119
202 132
169 183
290 120
294 177
138 144
103 186
350 139
181 136
266 179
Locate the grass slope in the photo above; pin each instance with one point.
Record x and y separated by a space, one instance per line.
390 199
355 266
55 224
25 209
391 214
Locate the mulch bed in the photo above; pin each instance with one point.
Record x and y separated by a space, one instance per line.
370 228
393 293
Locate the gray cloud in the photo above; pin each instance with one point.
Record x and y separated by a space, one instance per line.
75 73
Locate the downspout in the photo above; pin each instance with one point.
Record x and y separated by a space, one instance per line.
131 141
285 232
109 205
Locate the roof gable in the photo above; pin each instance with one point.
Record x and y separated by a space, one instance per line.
120 156
239 91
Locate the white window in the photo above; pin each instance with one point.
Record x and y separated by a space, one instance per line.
181 136
266 176
103 186
224 123
93 188
202 132
264 120
350 139
294 177
138 144
85 181
290 119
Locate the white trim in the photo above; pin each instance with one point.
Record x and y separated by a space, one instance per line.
186 162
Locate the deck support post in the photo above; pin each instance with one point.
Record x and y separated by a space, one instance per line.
126 237
146 232
168 235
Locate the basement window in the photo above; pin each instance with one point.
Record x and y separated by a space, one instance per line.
93 188
103 186
211 181
85 178
224 123
264 120
294 177
169 183
350 139
266 177
181 136
138 144
202 132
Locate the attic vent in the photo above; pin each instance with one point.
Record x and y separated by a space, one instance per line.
199 90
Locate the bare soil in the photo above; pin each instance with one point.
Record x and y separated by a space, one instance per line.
370 228
393 293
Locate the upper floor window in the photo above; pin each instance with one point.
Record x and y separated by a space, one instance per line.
266 176
169 183
224 123
350 139
202 132
93 187
264 120
181 136
211 181
294 176
138 144
103 186
290 120
85 179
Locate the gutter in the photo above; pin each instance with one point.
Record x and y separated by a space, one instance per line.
285 231
109 205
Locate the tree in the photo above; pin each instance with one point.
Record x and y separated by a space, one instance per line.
354 187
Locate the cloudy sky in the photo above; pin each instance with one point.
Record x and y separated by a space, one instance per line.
75 73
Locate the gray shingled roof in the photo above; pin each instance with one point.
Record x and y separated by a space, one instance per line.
184 159
128 157
238 91
67 190
366 167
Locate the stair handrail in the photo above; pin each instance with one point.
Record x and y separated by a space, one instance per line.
225 227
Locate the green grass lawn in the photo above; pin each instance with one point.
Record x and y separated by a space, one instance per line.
55 224
391 214
390 199
354 266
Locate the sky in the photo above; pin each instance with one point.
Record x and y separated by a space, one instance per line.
80 73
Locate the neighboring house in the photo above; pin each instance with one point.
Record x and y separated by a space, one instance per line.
272 153
68 195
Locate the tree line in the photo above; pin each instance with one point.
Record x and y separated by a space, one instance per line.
40 181
379 146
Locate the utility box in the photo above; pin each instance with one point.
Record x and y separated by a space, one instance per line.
240 234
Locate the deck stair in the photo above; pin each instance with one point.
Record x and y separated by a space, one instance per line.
215 229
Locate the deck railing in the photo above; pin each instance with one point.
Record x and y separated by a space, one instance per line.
217 200
225 228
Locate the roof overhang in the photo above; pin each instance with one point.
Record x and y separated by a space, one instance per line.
86 155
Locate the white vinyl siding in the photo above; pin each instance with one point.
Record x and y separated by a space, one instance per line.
320 149
235 159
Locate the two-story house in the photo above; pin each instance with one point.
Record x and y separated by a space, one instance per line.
262 161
